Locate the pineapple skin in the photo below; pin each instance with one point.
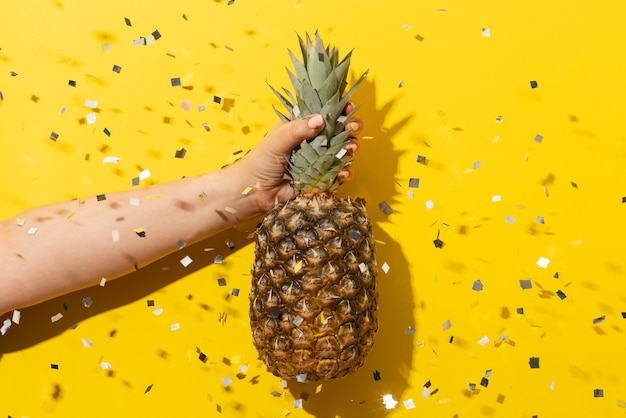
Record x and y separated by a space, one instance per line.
313 299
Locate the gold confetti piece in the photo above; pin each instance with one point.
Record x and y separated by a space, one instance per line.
56 317
246 190
70 216
20 222
298 266
318 389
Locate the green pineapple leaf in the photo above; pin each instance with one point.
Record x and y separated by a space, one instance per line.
288 105
299 67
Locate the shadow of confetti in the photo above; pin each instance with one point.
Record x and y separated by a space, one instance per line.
387 367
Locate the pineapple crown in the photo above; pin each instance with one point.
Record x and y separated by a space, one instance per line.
319 85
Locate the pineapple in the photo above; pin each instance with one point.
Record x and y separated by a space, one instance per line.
313 293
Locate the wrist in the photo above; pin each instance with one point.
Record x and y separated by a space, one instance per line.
239 198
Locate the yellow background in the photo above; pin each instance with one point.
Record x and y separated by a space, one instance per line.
436 87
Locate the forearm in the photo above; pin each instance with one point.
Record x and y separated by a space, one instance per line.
76 243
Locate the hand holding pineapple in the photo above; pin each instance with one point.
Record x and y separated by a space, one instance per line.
264 167
313 297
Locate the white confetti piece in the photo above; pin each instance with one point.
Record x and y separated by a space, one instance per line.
157 311
226 381
186 261
243 368
175 327
115 235
543 262
105 365
144 174
429 205
409 404
91 104
425 392
486 32
496 198
86 342
110 160
186 104
341 153
134 201
5 326
91 118
16 316
20 222
283 384
103 281
297 403
389 402
552 385
363 267
32 231
56 317
385 267
510 219
483 341
447 325
297 320
301 378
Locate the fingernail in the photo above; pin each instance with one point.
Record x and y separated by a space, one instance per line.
315 122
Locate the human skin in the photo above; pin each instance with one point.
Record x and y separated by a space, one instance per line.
78 242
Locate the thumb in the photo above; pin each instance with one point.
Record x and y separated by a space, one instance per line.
293 133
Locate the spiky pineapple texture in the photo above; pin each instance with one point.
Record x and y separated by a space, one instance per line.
319 85
313 308
313 299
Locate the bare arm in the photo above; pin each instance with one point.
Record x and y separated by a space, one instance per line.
76 243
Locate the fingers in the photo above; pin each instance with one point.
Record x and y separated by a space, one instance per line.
346 174
354 126
289 135
353 147
349 108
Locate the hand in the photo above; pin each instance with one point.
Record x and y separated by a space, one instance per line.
266 165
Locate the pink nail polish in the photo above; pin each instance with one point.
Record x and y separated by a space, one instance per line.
315 122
